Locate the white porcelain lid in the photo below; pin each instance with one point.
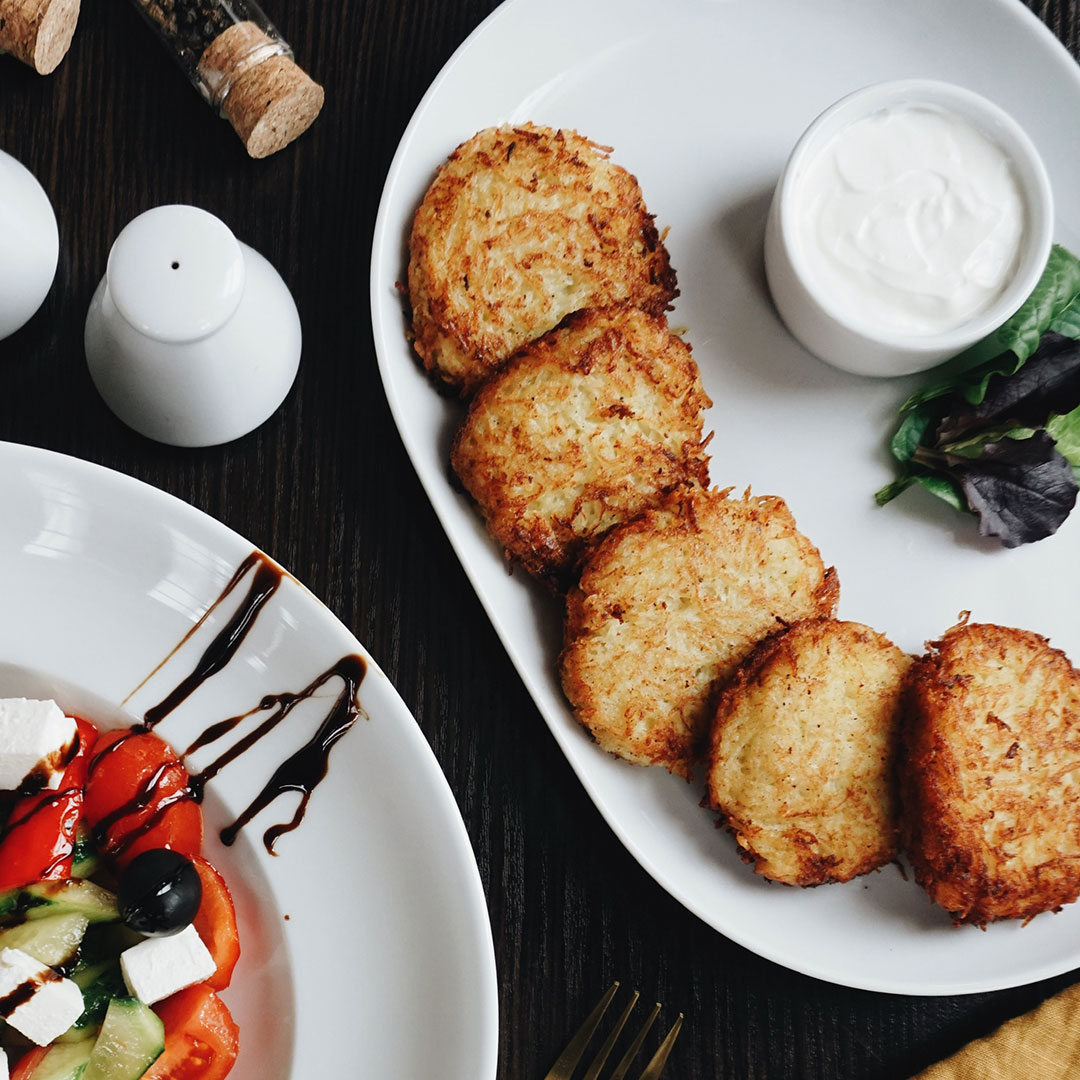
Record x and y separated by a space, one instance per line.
176 273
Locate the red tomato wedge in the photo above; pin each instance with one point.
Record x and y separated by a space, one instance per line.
40 833
201 1037
216 923
24 1070
137 798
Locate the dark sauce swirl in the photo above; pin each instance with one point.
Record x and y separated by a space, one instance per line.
101 755
303 770
113 841
25 992
38 778
68 821
265 583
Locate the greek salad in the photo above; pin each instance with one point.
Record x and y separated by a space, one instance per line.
116 934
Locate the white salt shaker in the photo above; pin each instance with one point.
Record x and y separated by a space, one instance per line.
192 338
29 245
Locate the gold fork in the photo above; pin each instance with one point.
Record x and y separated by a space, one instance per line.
563 1069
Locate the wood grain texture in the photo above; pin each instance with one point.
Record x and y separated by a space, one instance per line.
326 488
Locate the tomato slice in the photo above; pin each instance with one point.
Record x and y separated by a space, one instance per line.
216 923
24 1070
39 836
201 1037
137 798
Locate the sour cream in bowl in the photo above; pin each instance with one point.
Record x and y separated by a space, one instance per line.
912 219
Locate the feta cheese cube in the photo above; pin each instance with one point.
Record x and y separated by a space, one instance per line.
35 1000
3 1065
160 966
35 736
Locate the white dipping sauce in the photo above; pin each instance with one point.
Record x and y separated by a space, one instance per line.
910 219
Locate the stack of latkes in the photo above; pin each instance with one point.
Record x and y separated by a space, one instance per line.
700 625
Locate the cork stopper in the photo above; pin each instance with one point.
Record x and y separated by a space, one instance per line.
264 94
38 32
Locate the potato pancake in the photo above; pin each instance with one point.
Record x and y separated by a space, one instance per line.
585 428
520 227
990 774
803 753
666 608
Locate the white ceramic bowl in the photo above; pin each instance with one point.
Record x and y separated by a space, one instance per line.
813 315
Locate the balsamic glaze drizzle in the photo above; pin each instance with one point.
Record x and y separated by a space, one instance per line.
16 915
37 779
46 801
301 771
117 844
19 996
25 991
265 583
100 756
52 798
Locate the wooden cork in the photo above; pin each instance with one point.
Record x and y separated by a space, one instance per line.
38 32
264 94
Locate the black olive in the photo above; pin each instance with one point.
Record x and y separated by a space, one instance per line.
159 893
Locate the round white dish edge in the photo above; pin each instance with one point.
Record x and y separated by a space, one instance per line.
373 923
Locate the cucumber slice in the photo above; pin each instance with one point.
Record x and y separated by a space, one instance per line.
47 898
85 975
85 860
53 941
103 943
132 1038
99 985
64 1061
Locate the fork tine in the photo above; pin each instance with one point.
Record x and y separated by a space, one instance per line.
635 1046
602 1054
659 1059
569 1058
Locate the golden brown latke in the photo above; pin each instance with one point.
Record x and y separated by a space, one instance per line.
666 608
520 227
585 428
990 774
803 751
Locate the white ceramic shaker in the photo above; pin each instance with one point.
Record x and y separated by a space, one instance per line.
29 245
192 338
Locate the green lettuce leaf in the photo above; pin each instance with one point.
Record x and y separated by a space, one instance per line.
995 446
1054 304
1049 381
1065 431
944 487
910 434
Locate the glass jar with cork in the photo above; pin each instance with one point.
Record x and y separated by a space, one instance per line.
237 60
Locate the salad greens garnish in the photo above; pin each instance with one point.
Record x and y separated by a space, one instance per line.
998 434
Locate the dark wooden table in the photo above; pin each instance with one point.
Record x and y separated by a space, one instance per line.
326 488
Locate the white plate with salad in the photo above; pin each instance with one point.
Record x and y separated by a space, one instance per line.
359 908
702 102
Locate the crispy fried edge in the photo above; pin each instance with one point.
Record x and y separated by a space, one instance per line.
944 865
527 546
429 322
681 753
